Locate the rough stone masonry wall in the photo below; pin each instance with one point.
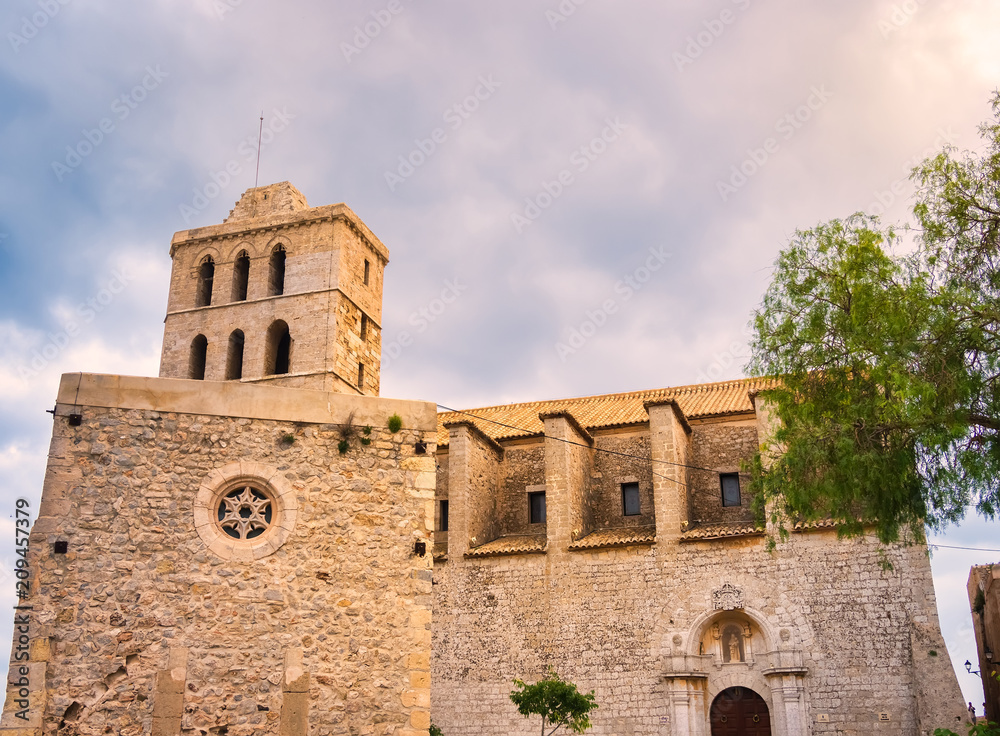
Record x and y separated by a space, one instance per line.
355 251
991 624
624 457
440 494
146 628
720 447
524 466
607 620
984 580
352 349
484 469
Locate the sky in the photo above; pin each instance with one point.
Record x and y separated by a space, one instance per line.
578 196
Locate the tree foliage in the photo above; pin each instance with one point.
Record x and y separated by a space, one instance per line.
889 360
976 729
558 702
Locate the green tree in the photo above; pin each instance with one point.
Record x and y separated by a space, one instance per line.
558 702
888 354
978 729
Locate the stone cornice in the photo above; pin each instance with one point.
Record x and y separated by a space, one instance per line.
282 221
235 399
289 295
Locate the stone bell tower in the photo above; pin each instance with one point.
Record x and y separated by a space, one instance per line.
240 546
279 293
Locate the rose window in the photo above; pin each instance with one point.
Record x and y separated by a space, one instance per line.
245 512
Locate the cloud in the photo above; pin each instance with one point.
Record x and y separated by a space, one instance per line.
559 82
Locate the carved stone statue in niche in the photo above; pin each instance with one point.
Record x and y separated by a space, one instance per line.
729 640
733 644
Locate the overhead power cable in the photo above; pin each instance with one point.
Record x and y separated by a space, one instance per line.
597 449
949 546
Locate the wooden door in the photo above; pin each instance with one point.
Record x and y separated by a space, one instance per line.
738 711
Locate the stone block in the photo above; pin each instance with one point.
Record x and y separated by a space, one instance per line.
294 714
420 719
168 704
419 661
41 649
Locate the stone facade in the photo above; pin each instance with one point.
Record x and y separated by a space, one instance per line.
984 600
244 546
145 625
661 612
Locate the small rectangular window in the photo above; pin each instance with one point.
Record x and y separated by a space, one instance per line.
630 499
536 502
364 326
367 269
443 516
361 376
730 483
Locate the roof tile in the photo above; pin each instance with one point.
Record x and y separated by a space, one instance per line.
621 537
514 544
511 421
721 531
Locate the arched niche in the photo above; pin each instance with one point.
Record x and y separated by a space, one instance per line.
731 636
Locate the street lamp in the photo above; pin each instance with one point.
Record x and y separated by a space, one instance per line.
968 668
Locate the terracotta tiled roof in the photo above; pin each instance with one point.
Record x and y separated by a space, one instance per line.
515 544
616 537
609 410
801 526
721 531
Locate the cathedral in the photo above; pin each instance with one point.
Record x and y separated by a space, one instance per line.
255 542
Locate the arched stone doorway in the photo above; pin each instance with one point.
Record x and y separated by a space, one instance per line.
739 711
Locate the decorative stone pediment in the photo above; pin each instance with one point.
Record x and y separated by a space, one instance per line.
727 598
